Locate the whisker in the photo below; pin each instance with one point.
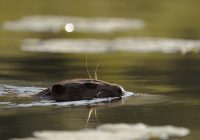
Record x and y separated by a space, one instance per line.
95 73
86 65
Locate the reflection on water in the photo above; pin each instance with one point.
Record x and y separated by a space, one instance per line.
79 24
121 131
127 44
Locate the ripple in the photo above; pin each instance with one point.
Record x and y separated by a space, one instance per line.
20 91
41 23
126 44
66 45
137 131
97 101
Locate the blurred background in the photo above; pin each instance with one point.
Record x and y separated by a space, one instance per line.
149 47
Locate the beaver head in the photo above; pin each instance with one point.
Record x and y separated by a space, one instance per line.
82 89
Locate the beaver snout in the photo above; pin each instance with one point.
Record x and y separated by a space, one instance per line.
119 90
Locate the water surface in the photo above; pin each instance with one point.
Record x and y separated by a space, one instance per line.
168 84
169 95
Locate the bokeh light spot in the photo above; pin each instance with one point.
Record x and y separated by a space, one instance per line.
69 27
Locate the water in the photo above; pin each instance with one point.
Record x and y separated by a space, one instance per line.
168 95
167 84
126 44
72 24
115 132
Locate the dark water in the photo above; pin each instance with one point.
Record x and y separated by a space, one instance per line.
169 82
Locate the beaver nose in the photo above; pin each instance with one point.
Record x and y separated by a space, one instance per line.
120 90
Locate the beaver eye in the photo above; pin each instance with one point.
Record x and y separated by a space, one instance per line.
119 90
58 88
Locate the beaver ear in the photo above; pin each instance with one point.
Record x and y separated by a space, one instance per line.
90 85
58 88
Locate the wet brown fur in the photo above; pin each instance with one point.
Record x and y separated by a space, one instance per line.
81 89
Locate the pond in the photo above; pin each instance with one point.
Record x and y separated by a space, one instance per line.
166 82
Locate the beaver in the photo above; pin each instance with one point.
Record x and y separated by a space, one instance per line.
81 89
